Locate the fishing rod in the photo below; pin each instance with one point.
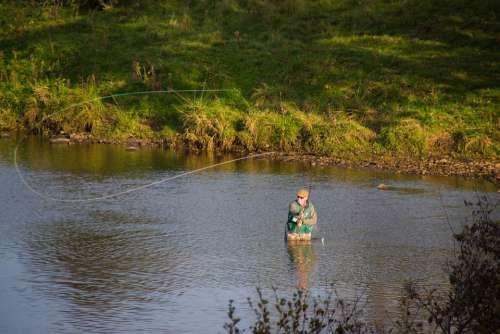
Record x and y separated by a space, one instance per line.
316 226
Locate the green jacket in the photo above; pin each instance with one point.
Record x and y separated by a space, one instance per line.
309 218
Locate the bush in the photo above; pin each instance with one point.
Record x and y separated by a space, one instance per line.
335 136
471 144
407 138
472 304
302 314
208 124
7 120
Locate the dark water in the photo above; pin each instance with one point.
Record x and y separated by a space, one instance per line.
167 259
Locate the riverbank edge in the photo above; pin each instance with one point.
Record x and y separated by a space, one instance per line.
433 166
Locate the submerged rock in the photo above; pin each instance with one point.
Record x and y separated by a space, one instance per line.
79 137
59 140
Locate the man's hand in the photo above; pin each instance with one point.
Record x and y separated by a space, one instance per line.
299 223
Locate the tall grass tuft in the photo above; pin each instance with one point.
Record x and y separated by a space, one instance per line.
336 135
208 124
407 138
8 121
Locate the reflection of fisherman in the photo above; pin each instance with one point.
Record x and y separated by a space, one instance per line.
301 217
303 256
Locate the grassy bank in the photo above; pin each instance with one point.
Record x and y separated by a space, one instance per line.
339 78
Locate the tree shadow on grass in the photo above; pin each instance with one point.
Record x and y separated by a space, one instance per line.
376 61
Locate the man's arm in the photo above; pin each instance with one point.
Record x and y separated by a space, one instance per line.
311 221
295 210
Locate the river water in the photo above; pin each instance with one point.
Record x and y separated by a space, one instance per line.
167 259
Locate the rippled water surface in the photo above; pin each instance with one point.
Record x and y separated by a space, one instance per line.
167 259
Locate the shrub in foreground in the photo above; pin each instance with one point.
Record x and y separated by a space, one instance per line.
472 304
302 313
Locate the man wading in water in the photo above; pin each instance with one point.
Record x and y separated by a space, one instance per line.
301 217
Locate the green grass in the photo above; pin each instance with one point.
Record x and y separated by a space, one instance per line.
344 78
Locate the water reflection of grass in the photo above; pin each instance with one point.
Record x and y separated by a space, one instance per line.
94 159
405 190
99 161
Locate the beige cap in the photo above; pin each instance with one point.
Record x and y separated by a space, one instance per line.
303 193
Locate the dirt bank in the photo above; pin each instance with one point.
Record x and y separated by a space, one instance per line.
445 166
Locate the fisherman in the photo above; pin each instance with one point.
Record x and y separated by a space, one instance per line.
301 217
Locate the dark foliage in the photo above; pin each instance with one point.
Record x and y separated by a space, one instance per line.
472 304
301 314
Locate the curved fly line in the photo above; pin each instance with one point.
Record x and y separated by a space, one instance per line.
133 189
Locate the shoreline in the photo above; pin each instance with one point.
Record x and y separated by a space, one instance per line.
435 166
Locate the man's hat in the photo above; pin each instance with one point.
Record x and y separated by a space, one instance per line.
303 193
